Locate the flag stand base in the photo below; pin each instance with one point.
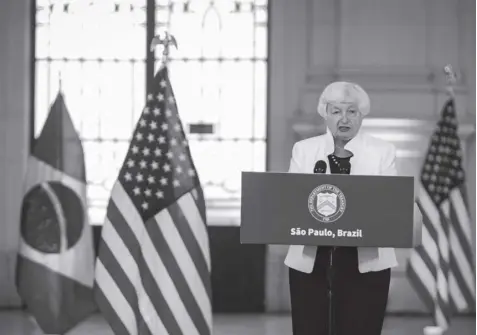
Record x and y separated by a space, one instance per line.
433 330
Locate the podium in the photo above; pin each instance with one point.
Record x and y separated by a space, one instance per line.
328 210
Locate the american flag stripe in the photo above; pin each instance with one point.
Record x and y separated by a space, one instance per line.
430 268
432 237
126 275
192 213
198 196
443 240
428 250
462 270
460 262
145 274
430 259
429 247
465 201
462 226
116 324
463 287
459 202
154 263
452 303
460 248
442 292
430 211
110 295
458 301
441 307
443 235
419 274
110 264
181 269
442 299
193 248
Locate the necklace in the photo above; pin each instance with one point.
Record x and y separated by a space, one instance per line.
343 168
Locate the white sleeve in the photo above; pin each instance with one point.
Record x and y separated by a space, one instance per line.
389 162
294 165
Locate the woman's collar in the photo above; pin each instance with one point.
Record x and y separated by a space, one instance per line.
353 145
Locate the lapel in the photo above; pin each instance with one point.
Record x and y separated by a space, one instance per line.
356 146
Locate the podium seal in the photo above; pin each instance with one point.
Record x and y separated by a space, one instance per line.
326 203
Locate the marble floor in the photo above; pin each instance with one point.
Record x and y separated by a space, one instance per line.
18 323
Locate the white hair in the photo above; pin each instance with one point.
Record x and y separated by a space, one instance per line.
342 91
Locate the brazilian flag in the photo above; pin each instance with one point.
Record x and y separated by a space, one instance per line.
55 268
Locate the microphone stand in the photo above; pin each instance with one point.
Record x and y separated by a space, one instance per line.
320 167
331 314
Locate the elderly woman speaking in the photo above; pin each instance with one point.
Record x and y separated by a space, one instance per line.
361 275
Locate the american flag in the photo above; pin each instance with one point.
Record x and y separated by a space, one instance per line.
153 269
441 268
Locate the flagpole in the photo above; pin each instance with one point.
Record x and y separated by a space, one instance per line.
60 82
450 82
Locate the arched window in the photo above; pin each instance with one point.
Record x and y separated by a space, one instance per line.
97 50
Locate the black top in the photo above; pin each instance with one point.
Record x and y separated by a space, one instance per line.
339 165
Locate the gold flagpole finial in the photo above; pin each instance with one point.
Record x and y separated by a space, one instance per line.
451 78
166 41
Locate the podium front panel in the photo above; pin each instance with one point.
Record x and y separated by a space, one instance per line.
333 210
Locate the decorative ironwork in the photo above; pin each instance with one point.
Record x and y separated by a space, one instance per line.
219 75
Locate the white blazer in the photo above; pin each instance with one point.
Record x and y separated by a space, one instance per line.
371 156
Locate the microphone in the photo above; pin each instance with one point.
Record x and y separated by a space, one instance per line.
320 167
